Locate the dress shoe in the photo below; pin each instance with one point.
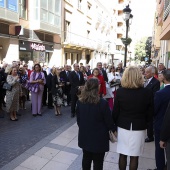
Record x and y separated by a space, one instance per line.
39 114
147 140
12 119
34 115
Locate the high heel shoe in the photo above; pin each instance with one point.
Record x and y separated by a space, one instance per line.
12 119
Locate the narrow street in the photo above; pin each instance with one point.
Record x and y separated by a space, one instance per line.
17 137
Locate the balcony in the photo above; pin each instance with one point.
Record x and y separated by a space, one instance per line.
51 25
119 42
120 19
77 41
120 6
99 44
9 16
161 7
99 17
120 30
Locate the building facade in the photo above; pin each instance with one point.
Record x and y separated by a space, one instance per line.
161 34
91 31
30 31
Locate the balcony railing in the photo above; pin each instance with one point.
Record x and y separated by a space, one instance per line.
78 40
99 17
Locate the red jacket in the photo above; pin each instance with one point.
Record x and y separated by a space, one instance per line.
102 84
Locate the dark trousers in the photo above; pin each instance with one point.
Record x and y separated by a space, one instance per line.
66 91
50 99
168 155
44 95
97 159
74 99
159 152
150 129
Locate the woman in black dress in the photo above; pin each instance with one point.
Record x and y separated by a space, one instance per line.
57 91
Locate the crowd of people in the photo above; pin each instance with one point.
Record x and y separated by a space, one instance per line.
127 101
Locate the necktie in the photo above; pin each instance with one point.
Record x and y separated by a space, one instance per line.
67 73
146 83
78 75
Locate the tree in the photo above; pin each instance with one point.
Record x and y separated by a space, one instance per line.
140 48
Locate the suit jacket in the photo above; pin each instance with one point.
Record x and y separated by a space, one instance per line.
75 81
104 75
165 130
94 121
154 85
133 106
49 81
161 101
64 76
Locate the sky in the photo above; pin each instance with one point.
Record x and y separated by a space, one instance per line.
143 12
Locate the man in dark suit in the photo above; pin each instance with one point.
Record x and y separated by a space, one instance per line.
161 101
76 80
64 75
153 84
102 71
165 135
49 87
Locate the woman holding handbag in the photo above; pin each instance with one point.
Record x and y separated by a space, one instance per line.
12 96
23 93
94 121
112 85
37 81
57 91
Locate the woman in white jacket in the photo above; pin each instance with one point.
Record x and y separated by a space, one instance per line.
112 78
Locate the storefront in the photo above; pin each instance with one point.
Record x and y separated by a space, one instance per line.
36 52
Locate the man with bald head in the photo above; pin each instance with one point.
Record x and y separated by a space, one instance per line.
154 85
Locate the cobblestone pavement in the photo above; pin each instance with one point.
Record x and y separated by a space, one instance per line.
17 137
60 151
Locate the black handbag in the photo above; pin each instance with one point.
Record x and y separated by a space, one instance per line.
7 86
116 83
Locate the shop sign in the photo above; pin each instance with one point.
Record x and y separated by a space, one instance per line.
37 47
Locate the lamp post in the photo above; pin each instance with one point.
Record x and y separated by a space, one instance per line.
127 17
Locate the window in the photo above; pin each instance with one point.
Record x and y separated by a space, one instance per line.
66 31
11 5
88 33
79 4
51 11
88 8
22 9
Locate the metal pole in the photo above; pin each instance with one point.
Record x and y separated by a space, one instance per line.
127 27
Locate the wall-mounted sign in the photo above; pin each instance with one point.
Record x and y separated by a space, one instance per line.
37 47
2 4
12 5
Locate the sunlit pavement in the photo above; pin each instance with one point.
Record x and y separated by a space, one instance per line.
60 151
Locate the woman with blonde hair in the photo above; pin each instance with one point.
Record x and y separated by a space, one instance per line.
12 97
57 92
94 121
133 109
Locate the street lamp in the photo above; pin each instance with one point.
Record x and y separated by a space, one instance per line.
127 17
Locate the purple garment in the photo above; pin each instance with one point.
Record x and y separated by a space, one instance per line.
33 74
36 99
